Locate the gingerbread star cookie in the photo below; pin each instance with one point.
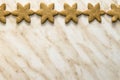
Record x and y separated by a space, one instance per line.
115 12
23 13
47 13
94 12
3 13
71 13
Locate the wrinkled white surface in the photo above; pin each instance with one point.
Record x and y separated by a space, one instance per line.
59 51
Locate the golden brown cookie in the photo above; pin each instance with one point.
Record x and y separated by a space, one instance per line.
23 13
94 12
115 12
47 12
3 13
71 13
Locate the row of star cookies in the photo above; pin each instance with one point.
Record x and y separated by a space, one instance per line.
48 13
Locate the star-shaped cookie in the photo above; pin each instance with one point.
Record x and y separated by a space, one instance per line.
3 13
71 13
23 13
94 12
47 13
115 12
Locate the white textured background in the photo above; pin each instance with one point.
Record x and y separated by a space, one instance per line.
58 51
